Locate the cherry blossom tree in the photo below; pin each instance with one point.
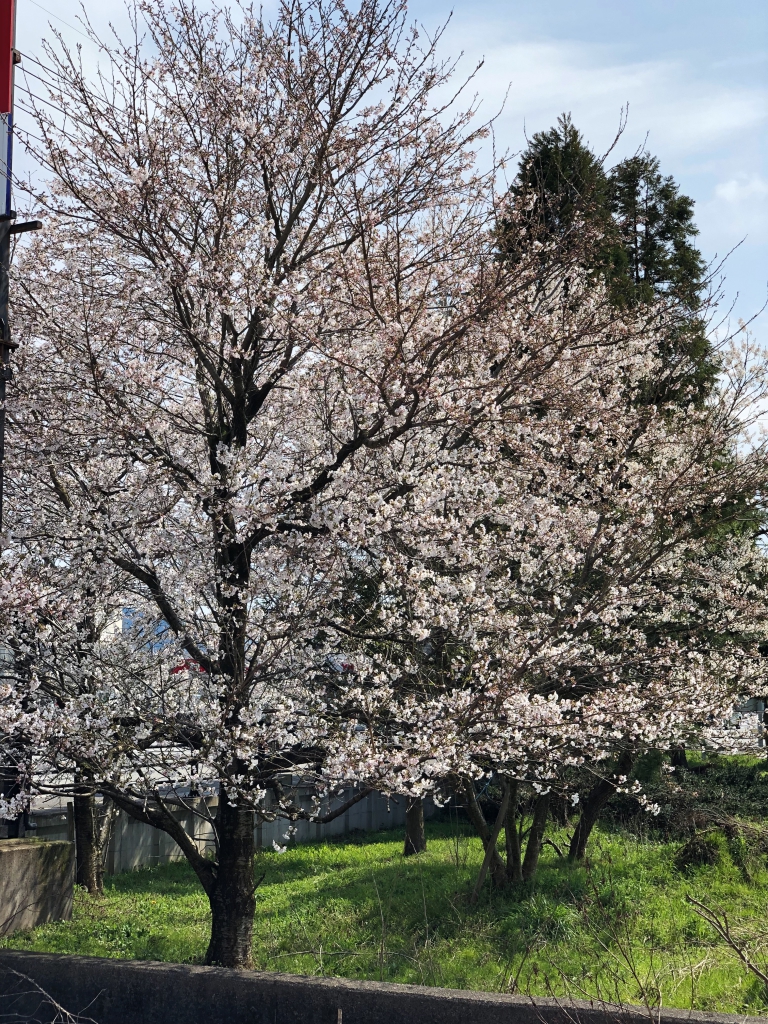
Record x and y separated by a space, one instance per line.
598 595
267 257
390 501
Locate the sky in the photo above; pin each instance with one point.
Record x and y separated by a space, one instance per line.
693 73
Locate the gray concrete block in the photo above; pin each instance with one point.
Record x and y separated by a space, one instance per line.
124 992
36 883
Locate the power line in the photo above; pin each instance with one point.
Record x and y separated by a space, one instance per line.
41 99
30 135
29 108
79 32
50 71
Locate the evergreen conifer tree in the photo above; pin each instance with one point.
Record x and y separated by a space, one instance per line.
656 231
644 236
565 179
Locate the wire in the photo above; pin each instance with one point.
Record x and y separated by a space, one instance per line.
30 109
31 74
41 99
52 126
97 100
28 56
30 135
61 20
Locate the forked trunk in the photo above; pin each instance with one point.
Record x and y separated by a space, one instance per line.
678 757
476 816
415 839
490 846
88 854
232 895
596 800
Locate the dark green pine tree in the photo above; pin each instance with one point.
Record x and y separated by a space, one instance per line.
654 256
656 231
642 245
564 180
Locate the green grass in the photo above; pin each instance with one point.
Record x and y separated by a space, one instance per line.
358 909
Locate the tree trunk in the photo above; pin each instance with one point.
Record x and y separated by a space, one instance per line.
536 837
415 839
90 872
490 848
228 882
476 816
512 838
233 893
596 800
678 757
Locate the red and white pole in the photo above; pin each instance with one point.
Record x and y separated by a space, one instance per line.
8 59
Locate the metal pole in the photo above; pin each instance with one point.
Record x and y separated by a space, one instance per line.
6 345
9 773
7 60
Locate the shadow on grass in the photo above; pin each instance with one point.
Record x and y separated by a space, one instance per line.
354 906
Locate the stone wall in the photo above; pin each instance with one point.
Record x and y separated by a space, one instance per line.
36 883
124 992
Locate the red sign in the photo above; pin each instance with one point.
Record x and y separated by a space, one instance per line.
6 55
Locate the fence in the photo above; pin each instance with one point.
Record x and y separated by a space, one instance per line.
134 844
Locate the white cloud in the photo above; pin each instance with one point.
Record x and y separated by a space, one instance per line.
743 189
704 121
686 107
738 208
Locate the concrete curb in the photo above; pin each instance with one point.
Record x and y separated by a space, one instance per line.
137 992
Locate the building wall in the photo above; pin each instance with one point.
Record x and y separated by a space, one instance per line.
135 845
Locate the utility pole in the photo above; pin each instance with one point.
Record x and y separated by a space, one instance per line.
9 58
10 774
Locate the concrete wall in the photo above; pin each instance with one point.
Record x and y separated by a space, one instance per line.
135 845
36 883
124 992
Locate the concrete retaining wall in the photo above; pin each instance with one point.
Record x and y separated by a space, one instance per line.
124 992
135 845
36 883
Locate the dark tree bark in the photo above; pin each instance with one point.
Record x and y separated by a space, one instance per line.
559 808
490 848
11 828
596 800
228 881
233 894
90 872
93 828
512 838
536 837
678 757
476 816
415 838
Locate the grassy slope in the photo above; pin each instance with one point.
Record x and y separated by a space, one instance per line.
359 910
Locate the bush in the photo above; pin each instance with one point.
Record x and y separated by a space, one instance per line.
699 851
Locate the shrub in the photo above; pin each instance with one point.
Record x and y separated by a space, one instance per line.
702 850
